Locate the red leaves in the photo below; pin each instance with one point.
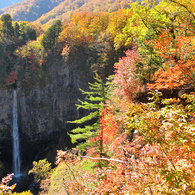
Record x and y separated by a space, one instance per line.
12 77
31 61
107 132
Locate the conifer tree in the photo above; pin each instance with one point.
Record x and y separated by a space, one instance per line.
16 29
95 100
50 37
7 27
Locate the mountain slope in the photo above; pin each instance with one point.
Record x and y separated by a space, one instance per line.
30 10
7 3
65 9
48 10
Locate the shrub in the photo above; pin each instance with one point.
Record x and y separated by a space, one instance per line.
41 170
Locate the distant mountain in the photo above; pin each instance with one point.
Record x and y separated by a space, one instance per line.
6 3
30 10
65 9
47 11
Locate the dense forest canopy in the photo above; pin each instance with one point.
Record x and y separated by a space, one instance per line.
142 97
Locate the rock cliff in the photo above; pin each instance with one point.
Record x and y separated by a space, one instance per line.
43 113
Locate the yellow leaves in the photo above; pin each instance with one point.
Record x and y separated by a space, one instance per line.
13 187
89 23
118 21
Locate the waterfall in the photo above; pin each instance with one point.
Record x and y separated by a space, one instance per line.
16 148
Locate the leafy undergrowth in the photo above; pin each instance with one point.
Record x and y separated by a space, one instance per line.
66 172
158 158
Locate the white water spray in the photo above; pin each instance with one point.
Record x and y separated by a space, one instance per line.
16 148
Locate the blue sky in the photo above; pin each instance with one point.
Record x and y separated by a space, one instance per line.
5 3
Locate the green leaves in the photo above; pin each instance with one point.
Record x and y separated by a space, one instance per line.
50 37
7 29
95 101
41 170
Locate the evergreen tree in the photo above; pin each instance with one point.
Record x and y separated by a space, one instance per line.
50 37
26 33
30 32
95 100
16 30
7 28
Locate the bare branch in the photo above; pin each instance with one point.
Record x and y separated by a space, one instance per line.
173 1
115 160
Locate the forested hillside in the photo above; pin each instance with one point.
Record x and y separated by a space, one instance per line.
30 10
45 11
65 9
7 3
135 130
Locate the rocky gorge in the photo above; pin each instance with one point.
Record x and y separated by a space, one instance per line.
43 113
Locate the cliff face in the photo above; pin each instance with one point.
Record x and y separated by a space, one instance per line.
42 114
5 126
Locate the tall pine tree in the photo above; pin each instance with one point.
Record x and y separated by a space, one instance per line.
95 100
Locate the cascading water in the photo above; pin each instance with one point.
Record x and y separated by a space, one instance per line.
16 148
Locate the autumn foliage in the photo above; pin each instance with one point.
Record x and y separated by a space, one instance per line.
125 75
137 139
179 62
158 158
12 77
5 187
108 131
148 148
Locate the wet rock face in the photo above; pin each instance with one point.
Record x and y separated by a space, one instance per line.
42 113
6 128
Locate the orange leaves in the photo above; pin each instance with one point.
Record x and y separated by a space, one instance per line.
65 52
167 152
107 132
179 62
170 79
158 159
83 27
108 125
117 142
118 21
